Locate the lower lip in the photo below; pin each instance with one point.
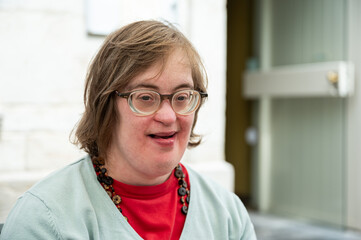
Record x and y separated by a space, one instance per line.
165 142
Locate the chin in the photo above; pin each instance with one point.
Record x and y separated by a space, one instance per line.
167 163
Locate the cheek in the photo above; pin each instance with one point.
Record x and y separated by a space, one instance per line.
131 127
187 123
127 122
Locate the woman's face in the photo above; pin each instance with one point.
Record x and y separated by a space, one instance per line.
142 151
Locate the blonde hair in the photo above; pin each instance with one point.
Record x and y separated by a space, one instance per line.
124 54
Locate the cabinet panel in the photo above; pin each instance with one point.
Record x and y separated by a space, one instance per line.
307 31
307 172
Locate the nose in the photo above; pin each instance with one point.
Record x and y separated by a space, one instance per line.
165 113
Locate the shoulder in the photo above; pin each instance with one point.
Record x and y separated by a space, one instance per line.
57 197
74 169
207 187
26 216
67 188
64 180
213 204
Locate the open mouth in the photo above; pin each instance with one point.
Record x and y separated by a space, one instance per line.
161 136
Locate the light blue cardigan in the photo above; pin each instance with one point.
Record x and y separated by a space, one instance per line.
71 204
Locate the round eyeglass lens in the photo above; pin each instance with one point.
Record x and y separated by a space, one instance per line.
185 102
144 102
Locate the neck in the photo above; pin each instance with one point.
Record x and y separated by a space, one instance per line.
120 171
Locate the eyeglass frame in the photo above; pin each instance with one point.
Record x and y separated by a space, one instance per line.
162 98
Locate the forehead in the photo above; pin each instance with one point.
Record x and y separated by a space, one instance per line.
171 73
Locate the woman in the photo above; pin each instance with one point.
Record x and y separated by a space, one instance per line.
143 92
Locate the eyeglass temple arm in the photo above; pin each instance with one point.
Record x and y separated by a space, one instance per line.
203 95
123 95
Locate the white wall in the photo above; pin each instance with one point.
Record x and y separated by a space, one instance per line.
43 60
208 33
44 57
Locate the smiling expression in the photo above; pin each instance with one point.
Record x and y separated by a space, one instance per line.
145 149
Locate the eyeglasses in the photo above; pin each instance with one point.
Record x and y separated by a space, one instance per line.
147 102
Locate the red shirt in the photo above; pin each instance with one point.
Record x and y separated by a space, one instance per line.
154 212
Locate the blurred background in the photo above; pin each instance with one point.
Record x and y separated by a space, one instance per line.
282 124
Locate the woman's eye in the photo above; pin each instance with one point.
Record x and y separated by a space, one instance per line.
182 97
145 98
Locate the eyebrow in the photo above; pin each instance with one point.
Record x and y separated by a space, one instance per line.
154 87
